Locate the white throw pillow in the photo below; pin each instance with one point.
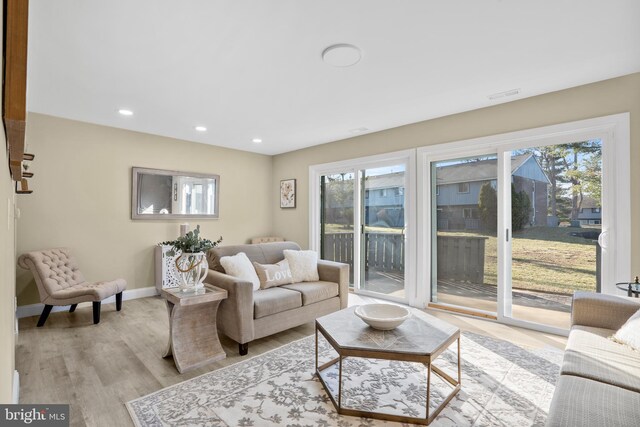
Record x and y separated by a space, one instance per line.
629 333
271 275
303 264
240 266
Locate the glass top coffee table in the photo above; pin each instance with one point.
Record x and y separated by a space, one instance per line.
421 338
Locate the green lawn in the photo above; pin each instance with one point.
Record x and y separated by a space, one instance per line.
545 258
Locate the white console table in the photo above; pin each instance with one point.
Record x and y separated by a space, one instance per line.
166 277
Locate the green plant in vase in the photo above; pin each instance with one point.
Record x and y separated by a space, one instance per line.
191 264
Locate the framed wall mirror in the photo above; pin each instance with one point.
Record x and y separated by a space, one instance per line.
165 194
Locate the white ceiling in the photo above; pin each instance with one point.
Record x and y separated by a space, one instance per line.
253 69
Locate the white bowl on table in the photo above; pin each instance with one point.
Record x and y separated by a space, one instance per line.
383 316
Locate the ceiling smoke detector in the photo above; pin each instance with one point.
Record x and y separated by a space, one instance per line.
342 55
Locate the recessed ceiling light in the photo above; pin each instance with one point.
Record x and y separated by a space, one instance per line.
256 140
342 55
125 112
200 128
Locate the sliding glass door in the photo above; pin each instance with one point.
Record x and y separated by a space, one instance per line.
383 237
337 218
556 211
363 221
465 219
515 233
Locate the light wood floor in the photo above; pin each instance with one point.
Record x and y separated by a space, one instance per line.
97 368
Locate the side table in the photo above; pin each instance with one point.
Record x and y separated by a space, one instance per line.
193 337
632 289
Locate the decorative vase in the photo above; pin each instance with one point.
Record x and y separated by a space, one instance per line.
192 269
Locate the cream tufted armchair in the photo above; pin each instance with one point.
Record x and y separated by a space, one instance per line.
60 282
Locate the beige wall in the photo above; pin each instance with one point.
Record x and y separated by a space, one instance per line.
583 102
82 192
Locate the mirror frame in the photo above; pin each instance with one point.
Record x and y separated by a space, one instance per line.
136 171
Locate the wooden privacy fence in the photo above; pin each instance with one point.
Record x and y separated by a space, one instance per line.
385 251
338 247
461 258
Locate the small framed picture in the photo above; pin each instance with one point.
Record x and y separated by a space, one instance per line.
288 193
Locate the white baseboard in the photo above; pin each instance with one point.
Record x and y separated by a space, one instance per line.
36 309
16 387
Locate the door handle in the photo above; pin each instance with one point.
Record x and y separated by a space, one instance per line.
603 239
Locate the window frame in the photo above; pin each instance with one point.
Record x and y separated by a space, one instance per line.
613 130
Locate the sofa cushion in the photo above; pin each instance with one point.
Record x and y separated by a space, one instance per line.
97 291
313 292
264 253
239 266
591 354
303 264
629 333
274 300
581 402
271 275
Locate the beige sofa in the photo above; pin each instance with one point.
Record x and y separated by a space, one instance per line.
247 315
599 382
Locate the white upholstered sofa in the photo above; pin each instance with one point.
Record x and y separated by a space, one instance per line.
247 315
599 384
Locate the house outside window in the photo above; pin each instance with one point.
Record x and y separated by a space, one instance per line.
463 187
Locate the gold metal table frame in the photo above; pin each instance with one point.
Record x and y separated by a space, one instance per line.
427 360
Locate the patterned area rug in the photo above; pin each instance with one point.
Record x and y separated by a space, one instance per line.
502 385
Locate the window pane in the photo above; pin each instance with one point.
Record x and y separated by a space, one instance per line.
337 219
464 228
556 201
383 248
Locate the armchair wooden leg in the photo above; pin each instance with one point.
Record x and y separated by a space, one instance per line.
44 315
96 312
72 308
119 301
244 349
